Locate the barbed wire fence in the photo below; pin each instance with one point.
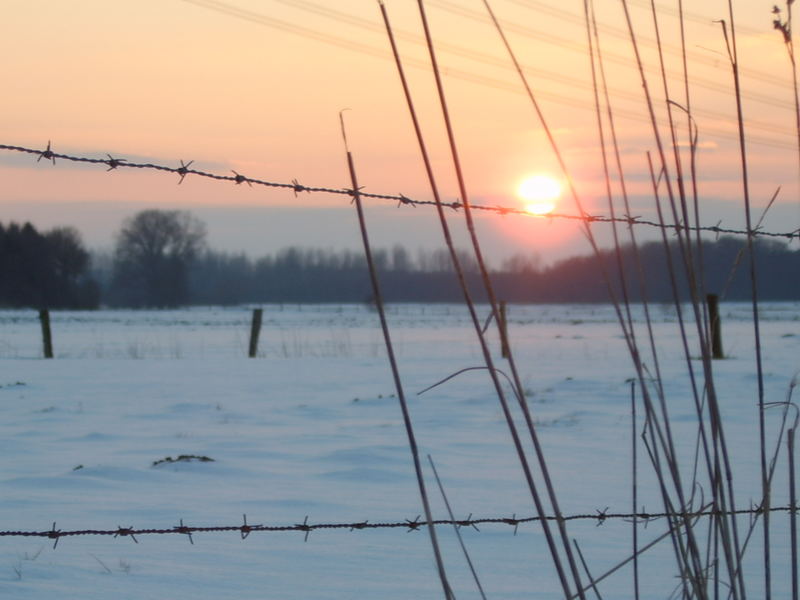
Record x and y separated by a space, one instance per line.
245 529
599 517
185 169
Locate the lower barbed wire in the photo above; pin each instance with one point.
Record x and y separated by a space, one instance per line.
599 517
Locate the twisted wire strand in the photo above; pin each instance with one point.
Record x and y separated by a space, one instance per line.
185 169
245 529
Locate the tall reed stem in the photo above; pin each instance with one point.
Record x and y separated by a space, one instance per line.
474 316
629 336
792 512
785 27
457 529
487 283
715 469
412 441
732 556
634 494
765 485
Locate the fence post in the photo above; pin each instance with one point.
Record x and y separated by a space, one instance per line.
255 329
504 350
47 338
716 326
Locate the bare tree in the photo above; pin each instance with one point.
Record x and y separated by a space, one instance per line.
153 251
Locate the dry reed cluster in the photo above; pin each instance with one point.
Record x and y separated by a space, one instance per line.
710 554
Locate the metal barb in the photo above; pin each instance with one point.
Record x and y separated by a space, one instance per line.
241 178
298 188
47 154
304 526
361 525
413 525
405 200
126 531
602 515
184 529
113 163
54 534
513 521
183 171
468 521
245 529
352 192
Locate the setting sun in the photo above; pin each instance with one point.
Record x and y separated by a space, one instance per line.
540 193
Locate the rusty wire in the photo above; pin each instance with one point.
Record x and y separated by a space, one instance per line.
245 529
237 178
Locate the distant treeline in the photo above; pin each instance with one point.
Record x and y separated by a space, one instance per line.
724 266
313 275
47 269
161 260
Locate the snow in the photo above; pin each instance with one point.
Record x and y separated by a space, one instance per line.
312 428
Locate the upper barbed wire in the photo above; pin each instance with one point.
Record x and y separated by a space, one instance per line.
185 169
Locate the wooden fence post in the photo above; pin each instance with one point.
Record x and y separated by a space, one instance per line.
504 350
716 326
47 338
255 330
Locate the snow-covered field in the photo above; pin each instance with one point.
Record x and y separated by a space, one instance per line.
312 428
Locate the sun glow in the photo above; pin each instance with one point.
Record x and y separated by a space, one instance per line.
540 193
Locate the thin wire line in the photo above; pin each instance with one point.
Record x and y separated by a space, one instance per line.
600 517
237 178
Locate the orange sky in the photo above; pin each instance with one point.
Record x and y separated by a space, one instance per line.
256 86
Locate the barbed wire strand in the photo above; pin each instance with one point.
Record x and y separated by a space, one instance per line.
245 529
237 178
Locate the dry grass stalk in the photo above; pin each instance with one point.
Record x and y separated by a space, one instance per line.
379 305
540 508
